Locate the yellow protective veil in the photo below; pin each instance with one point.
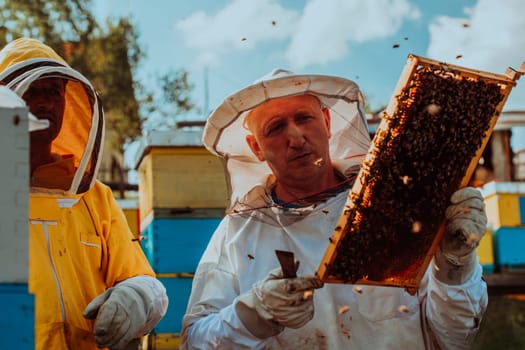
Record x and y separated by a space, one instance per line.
22 62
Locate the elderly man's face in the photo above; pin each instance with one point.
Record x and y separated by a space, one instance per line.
45 98
291 134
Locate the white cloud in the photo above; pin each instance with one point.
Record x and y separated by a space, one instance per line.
327 26
238 26
320 34
492 40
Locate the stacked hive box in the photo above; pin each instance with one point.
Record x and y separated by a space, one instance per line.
182 198
485 252
18 304
131 212
505 205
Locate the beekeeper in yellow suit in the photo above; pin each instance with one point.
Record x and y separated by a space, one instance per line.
93 286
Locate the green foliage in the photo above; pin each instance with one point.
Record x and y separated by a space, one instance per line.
503 325
176 90
175 86
110 62
52 21
107 55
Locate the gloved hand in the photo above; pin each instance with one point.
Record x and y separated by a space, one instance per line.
466 223
126 311
277 302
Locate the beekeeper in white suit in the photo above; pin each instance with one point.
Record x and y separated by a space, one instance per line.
292 145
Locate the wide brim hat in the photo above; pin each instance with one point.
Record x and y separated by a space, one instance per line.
225 134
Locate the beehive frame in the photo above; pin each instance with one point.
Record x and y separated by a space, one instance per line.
392 221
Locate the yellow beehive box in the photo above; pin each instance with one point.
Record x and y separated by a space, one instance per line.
177 172
502 203
485 251
130 207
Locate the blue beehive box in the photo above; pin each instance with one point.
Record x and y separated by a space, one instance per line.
175 245
521 201
18 321
508 247
178 290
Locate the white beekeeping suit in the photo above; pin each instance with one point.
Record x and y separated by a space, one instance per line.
240 257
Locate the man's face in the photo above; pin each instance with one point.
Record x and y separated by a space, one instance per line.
291 134
45 98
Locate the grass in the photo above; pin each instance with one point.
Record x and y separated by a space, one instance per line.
503 326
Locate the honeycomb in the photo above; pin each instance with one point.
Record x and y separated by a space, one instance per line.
420 154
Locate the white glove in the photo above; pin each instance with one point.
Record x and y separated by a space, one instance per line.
277 302
466 223
126 311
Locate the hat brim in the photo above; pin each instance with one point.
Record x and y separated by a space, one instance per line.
341 96
225 135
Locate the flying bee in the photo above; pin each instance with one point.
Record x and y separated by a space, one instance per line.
343 309
403 309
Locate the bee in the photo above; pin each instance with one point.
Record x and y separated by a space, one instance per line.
406 179
403 309
357 290
343 309
416 226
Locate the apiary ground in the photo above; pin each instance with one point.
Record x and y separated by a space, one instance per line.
503 326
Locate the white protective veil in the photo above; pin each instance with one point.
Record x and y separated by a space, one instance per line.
225 134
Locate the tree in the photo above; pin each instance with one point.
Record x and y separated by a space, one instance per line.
107 55
54 22
174 100
108 58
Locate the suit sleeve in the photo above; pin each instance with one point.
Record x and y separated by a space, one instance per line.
210 321
453 313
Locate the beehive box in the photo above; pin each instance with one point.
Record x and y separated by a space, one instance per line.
426 147
130 208
176 171
14 176
176 244
178 289
505 203
508 248
18 327
485 252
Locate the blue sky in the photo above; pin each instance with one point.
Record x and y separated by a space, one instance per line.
237 41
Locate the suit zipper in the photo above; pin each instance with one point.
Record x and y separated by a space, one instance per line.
45 225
